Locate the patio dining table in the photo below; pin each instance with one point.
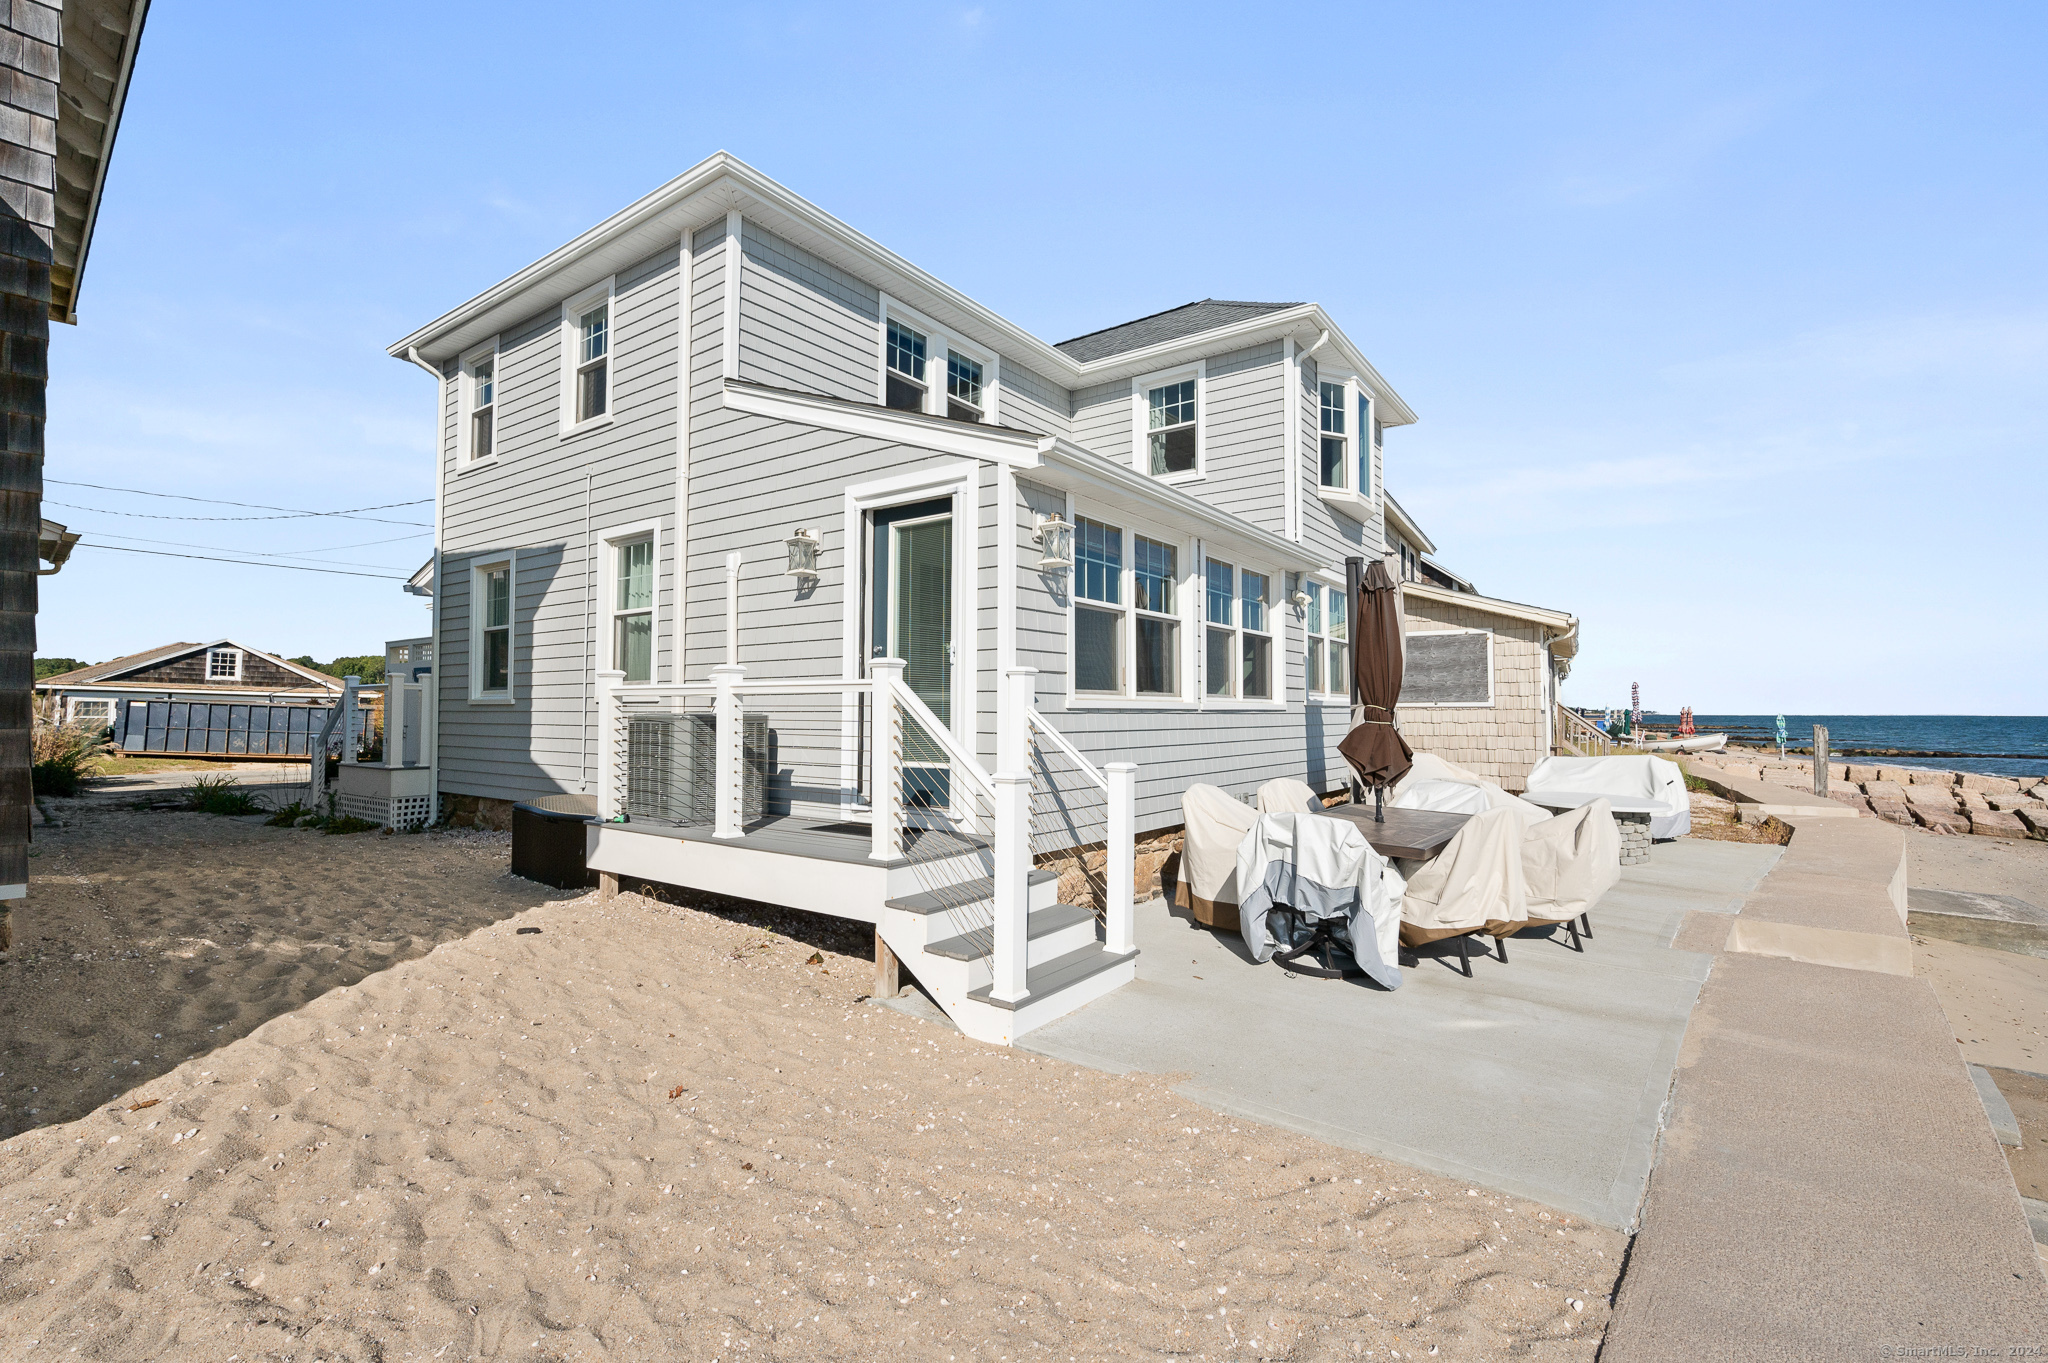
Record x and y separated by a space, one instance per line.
1412 834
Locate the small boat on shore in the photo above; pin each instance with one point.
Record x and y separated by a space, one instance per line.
1697 743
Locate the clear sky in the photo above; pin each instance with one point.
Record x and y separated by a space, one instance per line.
1727 325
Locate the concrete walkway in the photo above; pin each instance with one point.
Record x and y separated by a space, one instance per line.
1544 1077
1829 1182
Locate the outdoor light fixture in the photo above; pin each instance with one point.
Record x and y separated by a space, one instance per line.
803 557
1297 593
1056 544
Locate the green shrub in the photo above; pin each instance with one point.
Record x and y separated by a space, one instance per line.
223 794
289 815
61 756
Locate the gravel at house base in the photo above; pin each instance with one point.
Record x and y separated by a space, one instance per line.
652 1132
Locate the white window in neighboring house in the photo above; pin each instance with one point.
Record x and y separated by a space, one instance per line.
92 711
1098 607
1365 450
493 612
223 664
905 374
1156 648
1239 642
633 609
963 387
480 400
593 362
1170 428
1329 654
1336 462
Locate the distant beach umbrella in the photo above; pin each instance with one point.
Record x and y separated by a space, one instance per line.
1374 747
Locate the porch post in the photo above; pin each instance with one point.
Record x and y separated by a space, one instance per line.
609 771
1120 927
1012 833
885 760
727 750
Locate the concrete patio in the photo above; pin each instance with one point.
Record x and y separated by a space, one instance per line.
1545 1077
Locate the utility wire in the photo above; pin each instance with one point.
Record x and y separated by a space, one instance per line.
247 506
245 562
260 553
293 516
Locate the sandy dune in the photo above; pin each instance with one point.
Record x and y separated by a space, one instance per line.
660 1132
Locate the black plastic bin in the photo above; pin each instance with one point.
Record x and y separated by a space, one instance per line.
548 840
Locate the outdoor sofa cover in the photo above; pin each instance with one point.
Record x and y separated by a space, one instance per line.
1430 770
1215 825
1320 868
1476 884
1581 780
1570 861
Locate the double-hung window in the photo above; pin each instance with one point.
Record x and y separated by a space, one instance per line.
1329 655
593 362
1098 606
1238 648
906 366
963 387
223 664
1336 447
633 609
1170 428
494 631
1157 649
1365 447
483 405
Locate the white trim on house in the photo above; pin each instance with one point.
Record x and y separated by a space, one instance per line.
573 311
1274 632
1142 388
938 434
466 407
479 616
232 672
734 263
938 340
613 540
1491 691
1133 524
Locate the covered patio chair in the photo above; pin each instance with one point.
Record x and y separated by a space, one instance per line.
1475 885
1426 787
1215 825
1285 795
1654 785
1313 883
1568 863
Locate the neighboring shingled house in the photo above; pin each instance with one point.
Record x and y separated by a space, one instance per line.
222 671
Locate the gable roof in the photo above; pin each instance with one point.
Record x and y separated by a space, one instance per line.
116 668
96 58
1189 319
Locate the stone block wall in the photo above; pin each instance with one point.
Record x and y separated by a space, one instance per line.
1501 741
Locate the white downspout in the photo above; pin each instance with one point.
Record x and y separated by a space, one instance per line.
432 719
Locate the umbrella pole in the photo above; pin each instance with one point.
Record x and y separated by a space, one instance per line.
1379 799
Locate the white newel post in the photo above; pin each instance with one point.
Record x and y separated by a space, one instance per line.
1013 833
1120 929
885 762
727 750
610 803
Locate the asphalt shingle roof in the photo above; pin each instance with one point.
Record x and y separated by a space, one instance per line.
1186 320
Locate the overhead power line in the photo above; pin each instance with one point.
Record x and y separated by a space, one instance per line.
262 553
246 562
289 512
293 516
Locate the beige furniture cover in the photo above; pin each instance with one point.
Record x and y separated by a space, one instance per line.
1570 861
1414 791
1285 795
1215 825
1475 884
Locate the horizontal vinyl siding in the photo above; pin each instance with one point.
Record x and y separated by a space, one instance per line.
531 508
806 324
1243 438
1030 403
1102 420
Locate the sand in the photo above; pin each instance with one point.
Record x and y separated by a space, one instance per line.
653 1131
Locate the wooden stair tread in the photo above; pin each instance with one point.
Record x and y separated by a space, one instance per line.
959 896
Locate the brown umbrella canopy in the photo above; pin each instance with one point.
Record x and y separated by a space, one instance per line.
1375 748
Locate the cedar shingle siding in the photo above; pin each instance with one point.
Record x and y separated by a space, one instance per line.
190 671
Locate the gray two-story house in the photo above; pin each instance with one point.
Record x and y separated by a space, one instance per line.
726 490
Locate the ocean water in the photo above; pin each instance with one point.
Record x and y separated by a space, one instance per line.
1995 745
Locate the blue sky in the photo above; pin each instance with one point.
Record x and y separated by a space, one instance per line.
1727 326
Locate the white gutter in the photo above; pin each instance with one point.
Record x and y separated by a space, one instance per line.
1072 466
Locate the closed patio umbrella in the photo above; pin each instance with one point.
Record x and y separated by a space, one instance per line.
1374 748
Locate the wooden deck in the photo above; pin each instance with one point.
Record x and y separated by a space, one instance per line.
818 839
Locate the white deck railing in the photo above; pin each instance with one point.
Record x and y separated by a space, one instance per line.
782 746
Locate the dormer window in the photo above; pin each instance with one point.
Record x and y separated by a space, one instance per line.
223 664
1336 446
906 360
963 388
1170 427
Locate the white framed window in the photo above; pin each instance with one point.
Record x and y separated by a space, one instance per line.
1336 453
589 336
1366 450
925 368
1327 623
632 606
84 711
1167 411
1237 632
223 664
1128 642
491 658
1451 667
478 380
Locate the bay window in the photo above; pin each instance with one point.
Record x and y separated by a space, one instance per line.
1336 448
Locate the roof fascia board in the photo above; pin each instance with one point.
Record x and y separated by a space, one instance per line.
1069 467
1406 524
914 429
1515 610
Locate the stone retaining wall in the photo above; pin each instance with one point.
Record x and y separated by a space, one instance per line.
1938 801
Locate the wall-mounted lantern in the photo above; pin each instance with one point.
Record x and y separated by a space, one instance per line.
803 557
1056 544
1297 591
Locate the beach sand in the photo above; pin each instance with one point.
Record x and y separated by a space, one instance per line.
653 1131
